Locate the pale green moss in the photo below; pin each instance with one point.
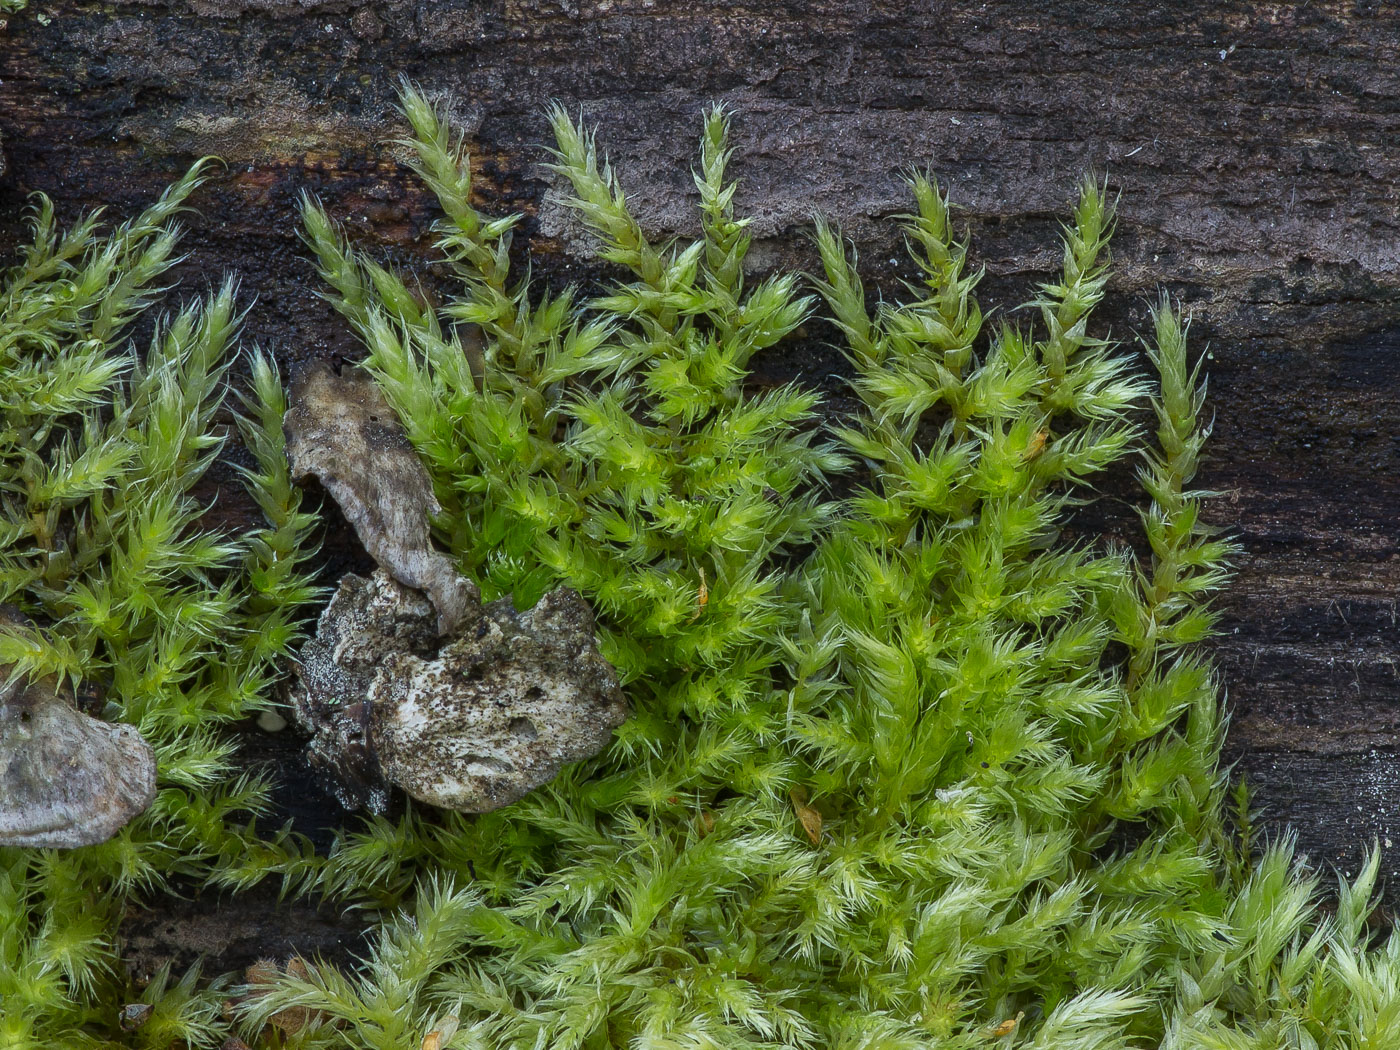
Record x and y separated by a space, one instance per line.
906 769
100 448
869 794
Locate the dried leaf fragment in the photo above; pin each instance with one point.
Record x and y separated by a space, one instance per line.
444 1028
1007 1026
702 598
1037 444
810 819
261 971
66 779
341 430
264 973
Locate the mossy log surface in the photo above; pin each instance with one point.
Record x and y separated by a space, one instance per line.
1252 145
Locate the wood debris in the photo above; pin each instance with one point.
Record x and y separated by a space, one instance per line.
66 779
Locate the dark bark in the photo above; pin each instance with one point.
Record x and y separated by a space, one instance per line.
1253 146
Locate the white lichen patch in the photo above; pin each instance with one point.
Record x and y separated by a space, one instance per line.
471 721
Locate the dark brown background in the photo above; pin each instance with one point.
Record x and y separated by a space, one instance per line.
1254 146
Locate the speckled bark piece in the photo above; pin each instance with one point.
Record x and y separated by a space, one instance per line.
500 709
469 722
365 621
341 430
66 779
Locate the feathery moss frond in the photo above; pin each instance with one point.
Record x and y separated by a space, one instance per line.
888 781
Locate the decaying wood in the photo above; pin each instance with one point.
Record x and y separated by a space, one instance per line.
410 680
1252 146
469 721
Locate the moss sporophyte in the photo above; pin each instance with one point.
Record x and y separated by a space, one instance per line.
904 768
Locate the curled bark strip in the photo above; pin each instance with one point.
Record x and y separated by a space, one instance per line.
342 431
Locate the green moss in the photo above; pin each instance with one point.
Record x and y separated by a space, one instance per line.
100 450
906 768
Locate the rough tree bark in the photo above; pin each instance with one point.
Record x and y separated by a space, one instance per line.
1253 145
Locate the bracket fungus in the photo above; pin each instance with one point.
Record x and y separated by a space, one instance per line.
66 779
410 680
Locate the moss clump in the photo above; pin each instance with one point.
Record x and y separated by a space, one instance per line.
907 770
179 626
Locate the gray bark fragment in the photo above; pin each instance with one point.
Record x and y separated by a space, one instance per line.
500 709
471 722
66 780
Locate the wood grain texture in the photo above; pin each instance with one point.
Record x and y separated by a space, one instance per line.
1252 144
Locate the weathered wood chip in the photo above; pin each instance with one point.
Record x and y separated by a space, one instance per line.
66 780
470 722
